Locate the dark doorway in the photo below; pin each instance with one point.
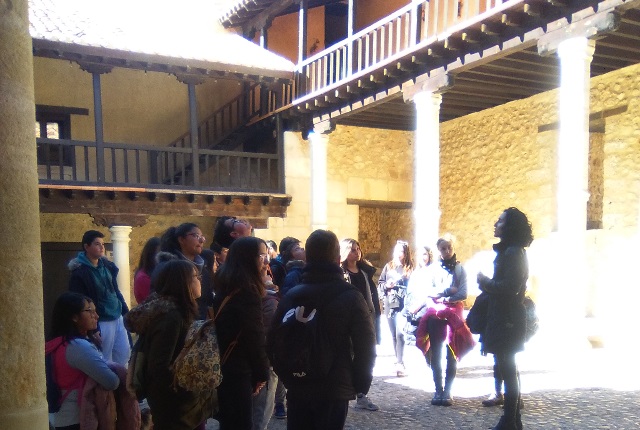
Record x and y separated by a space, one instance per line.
55 273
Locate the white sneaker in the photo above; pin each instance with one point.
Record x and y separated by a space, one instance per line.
364 403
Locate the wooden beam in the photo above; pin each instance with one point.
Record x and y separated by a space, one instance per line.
264 18
379 204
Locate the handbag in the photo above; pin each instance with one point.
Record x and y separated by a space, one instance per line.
393 299
477 316
531 318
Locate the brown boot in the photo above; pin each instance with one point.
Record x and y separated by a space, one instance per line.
495 399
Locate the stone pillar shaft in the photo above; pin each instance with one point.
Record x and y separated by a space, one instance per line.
426 168
120 240
318 180
22 396
573 141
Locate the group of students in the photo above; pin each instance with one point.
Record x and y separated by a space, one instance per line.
174 285
427 302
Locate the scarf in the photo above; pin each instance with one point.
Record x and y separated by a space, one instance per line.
450 264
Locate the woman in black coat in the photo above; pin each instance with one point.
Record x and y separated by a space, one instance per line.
240 330
504 334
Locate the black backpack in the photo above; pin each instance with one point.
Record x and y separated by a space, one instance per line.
302 351
54 393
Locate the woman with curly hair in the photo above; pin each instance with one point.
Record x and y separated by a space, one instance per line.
504 334
240 331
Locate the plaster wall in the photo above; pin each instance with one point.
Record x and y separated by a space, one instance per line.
137 107
282 36
370 11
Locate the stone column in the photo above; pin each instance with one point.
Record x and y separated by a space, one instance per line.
426 93
573 168
120 240
426 169
22 396
319 140
573 143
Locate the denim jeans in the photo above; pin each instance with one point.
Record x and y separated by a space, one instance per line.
396 323
263 403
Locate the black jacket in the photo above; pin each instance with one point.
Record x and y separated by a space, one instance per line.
349 327
506 324
369 271
241 318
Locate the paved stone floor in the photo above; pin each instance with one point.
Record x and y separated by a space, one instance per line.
590 390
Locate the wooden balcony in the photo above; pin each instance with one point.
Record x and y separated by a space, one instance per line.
122 183
153 167
487 48
388 40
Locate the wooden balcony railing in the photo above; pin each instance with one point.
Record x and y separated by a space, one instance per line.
250 106
388 39
152 167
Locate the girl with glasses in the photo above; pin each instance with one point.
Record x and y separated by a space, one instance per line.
186 242
76 357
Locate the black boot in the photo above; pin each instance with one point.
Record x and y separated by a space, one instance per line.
504 424
518 415
508 420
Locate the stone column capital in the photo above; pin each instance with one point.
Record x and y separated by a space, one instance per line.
120 232
576 49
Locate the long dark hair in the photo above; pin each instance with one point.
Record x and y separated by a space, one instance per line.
67 306
169 240
517 229
148 256
240 270
172 279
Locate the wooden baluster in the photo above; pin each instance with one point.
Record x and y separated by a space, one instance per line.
374 51
138 166
398 34
367 47
126 166
114 173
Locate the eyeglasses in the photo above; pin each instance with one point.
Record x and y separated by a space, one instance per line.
198 236
262 256
91 311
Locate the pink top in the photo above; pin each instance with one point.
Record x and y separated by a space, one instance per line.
141 285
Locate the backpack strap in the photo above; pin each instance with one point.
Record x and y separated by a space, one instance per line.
213 316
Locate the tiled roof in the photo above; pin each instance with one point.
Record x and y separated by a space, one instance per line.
185 33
